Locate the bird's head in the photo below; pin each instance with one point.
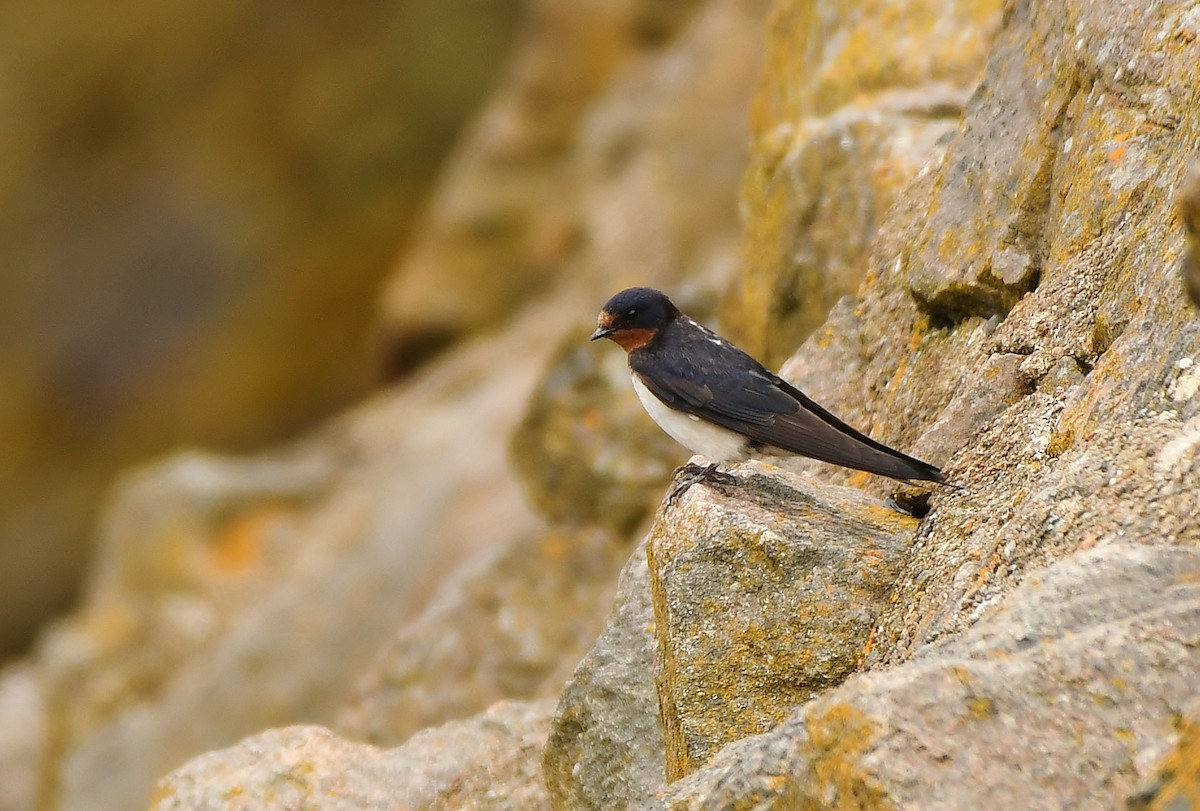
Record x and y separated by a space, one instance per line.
633 317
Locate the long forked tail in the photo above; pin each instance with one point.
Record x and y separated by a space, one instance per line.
812 431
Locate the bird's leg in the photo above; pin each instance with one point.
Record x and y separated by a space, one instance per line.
692 473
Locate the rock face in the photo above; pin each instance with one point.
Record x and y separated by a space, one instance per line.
490 761
510 624
1022 324
1084 435
1057 700
605 748
765 594
854 100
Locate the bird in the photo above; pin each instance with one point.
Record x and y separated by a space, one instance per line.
721 403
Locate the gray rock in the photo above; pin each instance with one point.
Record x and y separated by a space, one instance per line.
1093 441
981 397
510 624
23 738
852 104
585 451
1081 464
1002 159
605 748
1063 698
765 594
1175 786
487 762
232 596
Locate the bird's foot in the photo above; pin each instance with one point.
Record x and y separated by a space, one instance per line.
691 473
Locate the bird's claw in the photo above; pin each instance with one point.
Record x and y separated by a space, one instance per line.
691 473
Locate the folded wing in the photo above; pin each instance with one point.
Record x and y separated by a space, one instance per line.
720 383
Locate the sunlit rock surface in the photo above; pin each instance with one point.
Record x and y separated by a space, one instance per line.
605 746
854 100
489 761
765 592
1058 700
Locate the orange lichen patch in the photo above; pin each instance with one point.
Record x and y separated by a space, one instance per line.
777 782
631 339
112 624
1060 442
919 328
837 740
554 548
869 646
981 708
889 518
161 794
898 378
1117 154
985 573
238 547
857 479
592 419
1076 418
948 246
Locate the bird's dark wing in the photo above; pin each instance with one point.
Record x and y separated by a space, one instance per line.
703 375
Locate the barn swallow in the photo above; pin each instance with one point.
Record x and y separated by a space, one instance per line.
719 402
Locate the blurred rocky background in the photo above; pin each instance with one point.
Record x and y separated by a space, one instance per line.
197 206
957 224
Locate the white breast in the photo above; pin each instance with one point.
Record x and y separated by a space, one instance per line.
717 443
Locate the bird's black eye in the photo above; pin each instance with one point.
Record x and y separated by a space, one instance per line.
631 313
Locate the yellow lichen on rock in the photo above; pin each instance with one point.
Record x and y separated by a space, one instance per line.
764 595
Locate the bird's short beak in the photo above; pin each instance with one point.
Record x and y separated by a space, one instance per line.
601 332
